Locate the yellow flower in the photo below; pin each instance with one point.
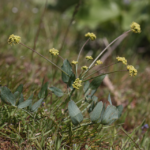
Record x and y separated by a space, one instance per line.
77 83
84 67
74 62
132 70
92 36
14 39
54 51
122 59
135 27
89 57
98 62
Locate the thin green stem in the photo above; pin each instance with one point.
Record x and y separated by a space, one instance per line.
86 124
101 69
104 74
39 27
44 58
106 49
130 138
80 54
61 57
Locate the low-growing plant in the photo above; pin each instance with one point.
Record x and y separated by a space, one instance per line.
74 115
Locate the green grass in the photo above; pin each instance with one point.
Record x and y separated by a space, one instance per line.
16 67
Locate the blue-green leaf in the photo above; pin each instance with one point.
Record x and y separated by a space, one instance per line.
19 89
71 80
21 99
7 96
110 115
92 88
58 92
86 86
25 104
109 99
74 113
43 92
120 109
96 113
96 82
66 67
36 105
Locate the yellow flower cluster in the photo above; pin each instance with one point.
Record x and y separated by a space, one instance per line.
14 39
132 70
84 67
92 36
77 83
89 57
54 51
98 62
74 62
135 27
122 59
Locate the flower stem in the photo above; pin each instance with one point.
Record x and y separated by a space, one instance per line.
101 69
104 74
44 58
80 54
106 49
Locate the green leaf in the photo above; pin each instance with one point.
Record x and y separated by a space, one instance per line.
66 67
93 104
43 92
110 115
71 80
86 86
96 82
96 113
19 89
102 113
16 94
21 99
75 113
30 98
109 99
58 92
92 88
36 105
7 96
120 109
25 104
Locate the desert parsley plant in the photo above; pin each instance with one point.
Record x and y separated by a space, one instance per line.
73 122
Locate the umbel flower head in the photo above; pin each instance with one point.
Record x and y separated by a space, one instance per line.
92 36
132 70
77 83
89 57
98 62
122 59
84 67
54 51
135 27
74 62
14 39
